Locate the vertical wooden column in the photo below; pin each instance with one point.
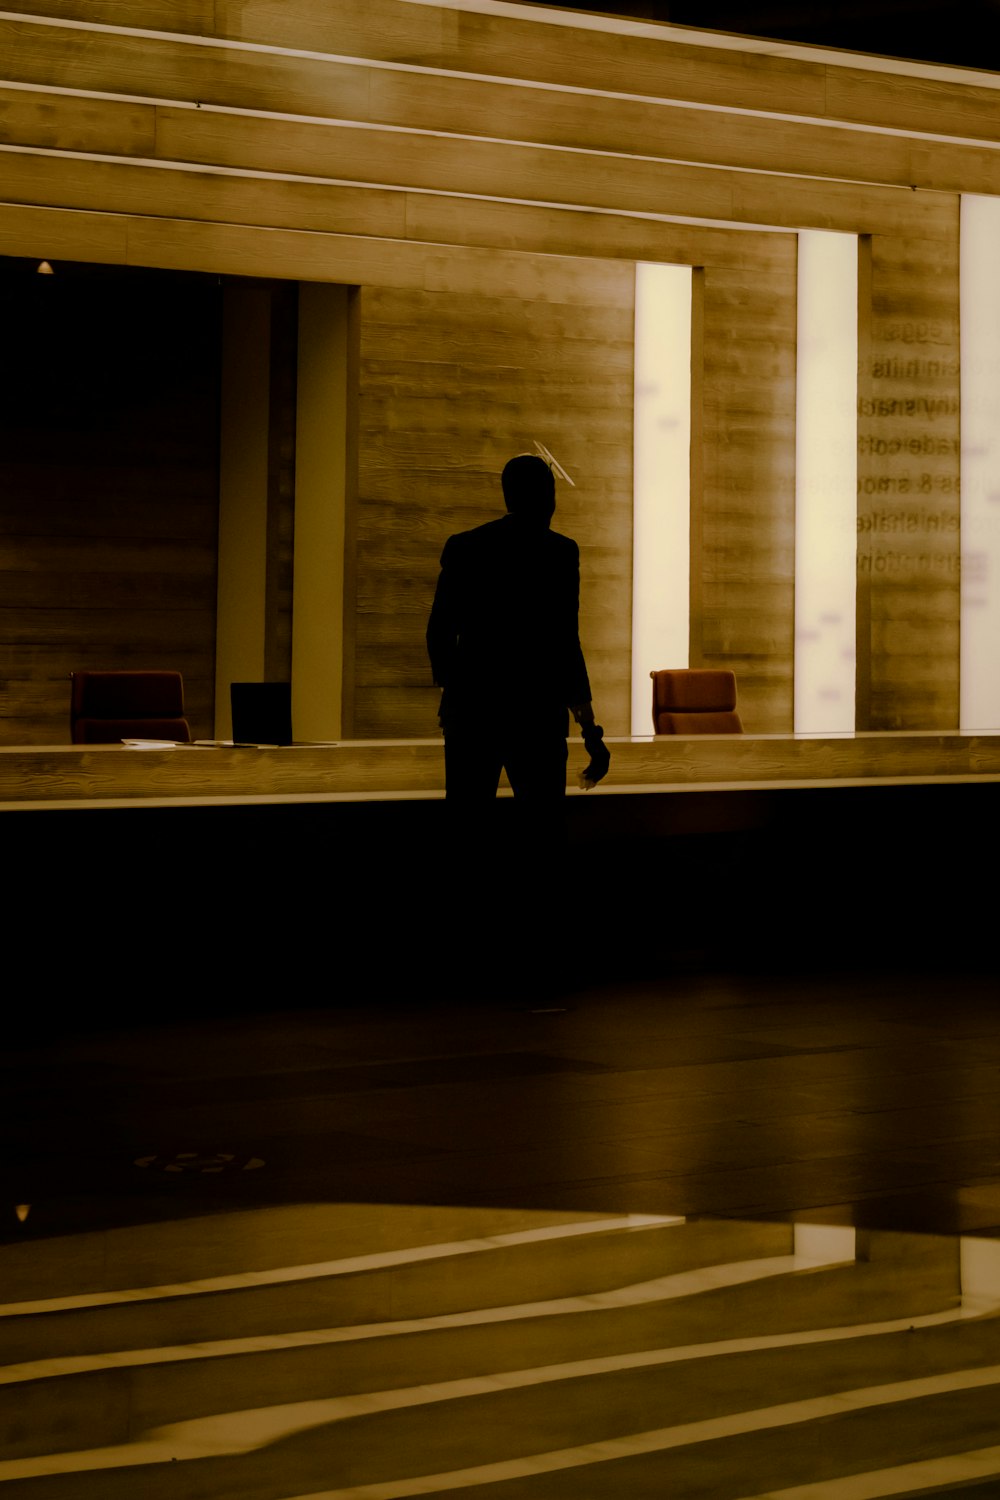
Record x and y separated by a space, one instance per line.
908 481
325 376
743 598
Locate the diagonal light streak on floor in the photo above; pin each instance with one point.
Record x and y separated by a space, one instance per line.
561 1306
662 1289
879 1484
661 1439
228 1432
348 1266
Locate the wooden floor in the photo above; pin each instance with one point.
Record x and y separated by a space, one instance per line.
852 1097
714 1233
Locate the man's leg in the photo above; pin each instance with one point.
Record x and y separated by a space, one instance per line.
471 889
472 765
536 768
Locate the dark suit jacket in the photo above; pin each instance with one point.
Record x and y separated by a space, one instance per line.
503 635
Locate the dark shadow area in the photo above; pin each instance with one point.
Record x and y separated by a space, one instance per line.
135 913
963 35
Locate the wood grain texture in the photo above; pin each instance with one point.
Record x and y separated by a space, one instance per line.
171 68
414 34
195 139
403 768
743 597
66 122
909 512
648 60
63 234
494 178
540 47
451 387
892 100
195 16
509 170
164 68
120 188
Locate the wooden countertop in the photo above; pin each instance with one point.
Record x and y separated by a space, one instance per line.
36 776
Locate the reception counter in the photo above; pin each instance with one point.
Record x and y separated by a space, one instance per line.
321 873
120 775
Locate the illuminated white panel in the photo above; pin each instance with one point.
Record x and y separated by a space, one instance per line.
824 1244
980 1270
661 479
826 470
980 351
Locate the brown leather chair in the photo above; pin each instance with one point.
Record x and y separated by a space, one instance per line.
106 707
695 700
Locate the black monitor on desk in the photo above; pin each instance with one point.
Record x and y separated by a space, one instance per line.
262 713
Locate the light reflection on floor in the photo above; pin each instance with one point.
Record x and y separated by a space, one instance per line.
375 1350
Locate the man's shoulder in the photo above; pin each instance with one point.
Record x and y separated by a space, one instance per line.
486 531
475 538
487 528
500 536
563 551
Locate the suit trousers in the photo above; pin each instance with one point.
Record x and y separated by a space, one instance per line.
507 856
533 753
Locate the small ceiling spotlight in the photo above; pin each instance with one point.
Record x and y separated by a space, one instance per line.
44 269
22 1210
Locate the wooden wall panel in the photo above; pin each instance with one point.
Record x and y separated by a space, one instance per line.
909 546
545 48
170 68
419 35
935 99
327 155
108 488
117 188
744 530
451 387
530 159
283 84
195 16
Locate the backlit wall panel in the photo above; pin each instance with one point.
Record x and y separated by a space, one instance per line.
661 479
980 360
826 482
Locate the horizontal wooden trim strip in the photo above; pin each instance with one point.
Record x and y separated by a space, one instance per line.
123 187
243 250
757 201
548 49
700 151
143 70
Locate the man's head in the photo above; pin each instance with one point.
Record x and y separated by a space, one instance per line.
529 488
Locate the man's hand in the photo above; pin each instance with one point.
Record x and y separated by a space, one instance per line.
600 756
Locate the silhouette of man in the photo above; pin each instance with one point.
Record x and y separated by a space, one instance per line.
504 645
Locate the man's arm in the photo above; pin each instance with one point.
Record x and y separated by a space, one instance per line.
577 680
582 708
442 624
